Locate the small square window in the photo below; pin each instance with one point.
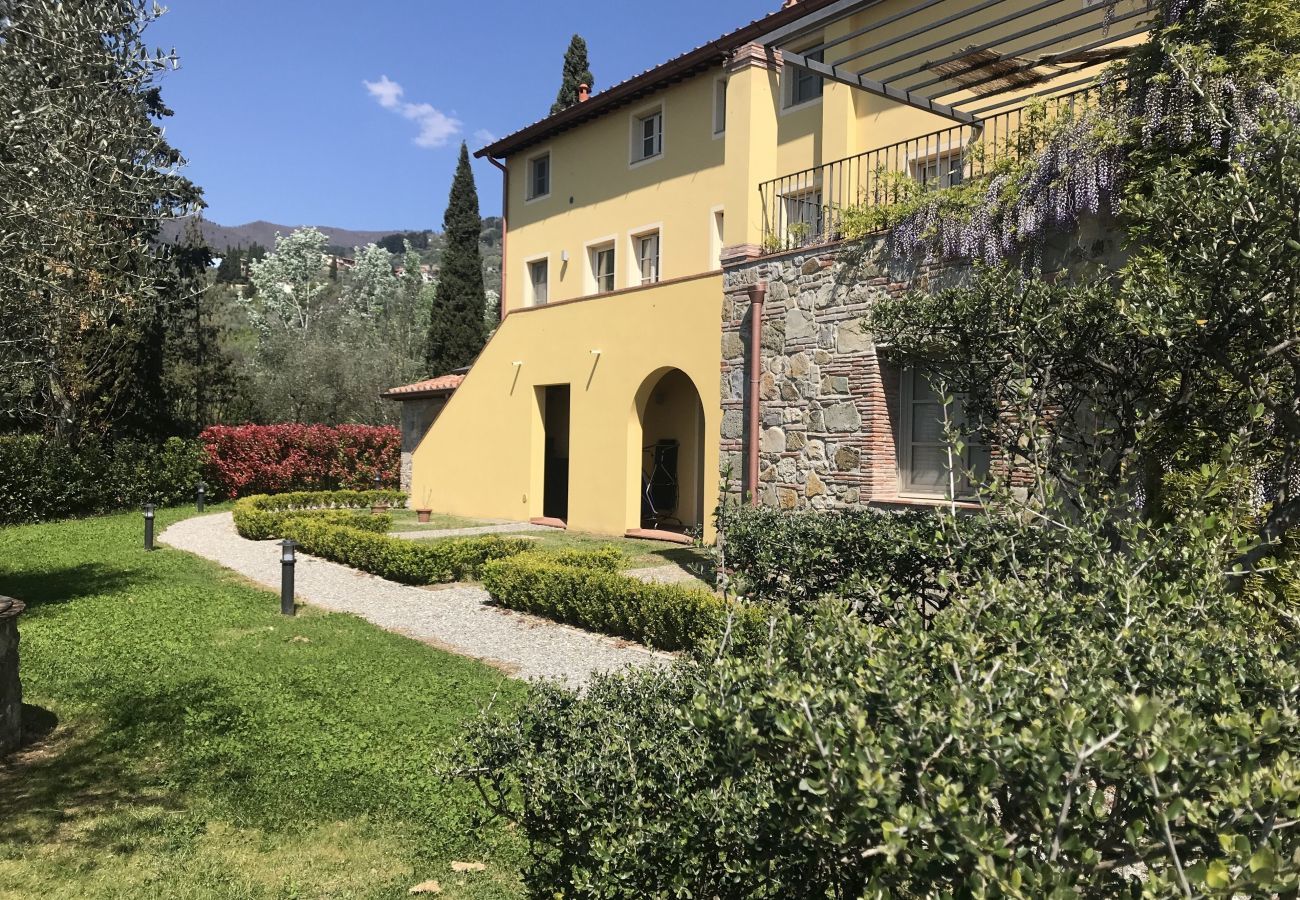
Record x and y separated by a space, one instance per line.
804 85
720 106
940 170
929 465
539 278
648 136
602 268
647 257
539 176
805 218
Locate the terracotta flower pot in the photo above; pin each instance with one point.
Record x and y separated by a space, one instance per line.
378 509
423 516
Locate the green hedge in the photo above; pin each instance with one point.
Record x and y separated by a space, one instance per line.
41 479
665 616
397 559
262 516
879 559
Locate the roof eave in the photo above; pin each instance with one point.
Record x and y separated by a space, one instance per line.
684 66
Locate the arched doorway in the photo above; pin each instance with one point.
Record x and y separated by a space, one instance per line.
670 475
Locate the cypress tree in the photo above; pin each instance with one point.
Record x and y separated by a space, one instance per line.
576 72
456 330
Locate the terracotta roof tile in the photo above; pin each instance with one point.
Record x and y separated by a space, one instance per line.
443 384
650 80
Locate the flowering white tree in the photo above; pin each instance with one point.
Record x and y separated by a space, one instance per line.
371 288
289 282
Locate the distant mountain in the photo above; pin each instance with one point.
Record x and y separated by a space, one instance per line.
222 237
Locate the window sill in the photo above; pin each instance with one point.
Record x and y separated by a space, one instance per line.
926 503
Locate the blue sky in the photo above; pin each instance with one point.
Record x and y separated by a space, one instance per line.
275 115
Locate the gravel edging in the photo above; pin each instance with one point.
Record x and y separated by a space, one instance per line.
457 618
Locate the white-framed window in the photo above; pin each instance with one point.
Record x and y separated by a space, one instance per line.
805 216
648 135
539 280
719 107
803 85
539 176
928 465
647 256
939 170
601 259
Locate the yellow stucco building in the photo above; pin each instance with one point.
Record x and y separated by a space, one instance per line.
597 403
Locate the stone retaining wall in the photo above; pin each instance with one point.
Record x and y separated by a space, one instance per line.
11 690
829 398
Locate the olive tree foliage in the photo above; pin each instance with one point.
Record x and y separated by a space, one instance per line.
327 348
289 291
86 175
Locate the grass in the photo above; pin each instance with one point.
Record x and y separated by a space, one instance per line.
195 744
406 520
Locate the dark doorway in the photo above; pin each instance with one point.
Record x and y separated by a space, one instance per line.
555 418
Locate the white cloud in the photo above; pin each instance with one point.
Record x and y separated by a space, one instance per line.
483 136
436 127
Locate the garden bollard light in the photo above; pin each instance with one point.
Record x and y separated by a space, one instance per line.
287 560
148 526
203 493
379 482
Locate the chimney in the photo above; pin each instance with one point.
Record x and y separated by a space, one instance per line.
584 93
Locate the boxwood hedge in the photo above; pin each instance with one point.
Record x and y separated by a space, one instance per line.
664 616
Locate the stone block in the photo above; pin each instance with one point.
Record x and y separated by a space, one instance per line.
800 325
733 345
733 424
767 386
843 418
835 384
851 338
815 450
795 440
786 498
773 441
815 487
789 391
847 459
799 365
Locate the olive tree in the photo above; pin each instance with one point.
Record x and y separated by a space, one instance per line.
86 175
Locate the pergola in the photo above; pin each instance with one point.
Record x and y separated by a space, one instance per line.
952 63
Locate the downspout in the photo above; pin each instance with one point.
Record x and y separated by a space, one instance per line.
505 228
757 297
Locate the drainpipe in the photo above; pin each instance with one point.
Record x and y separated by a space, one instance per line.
757 296
505 228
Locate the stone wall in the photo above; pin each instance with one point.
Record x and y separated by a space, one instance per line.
417 418
828 396
11 690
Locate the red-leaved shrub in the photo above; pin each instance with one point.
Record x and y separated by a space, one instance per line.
272 459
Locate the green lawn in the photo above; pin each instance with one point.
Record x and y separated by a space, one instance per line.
199 745
406 520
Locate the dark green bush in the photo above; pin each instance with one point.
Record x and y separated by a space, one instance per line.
42 479
665 616
1113 732
408 562
880 559
262 516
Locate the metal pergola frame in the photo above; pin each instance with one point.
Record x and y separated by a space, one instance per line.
997 55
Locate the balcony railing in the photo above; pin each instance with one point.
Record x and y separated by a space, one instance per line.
806 208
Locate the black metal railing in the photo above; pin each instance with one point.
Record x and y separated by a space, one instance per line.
807 208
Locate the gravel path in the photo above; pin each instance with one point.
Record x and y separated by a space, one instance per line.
504 528
457 618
